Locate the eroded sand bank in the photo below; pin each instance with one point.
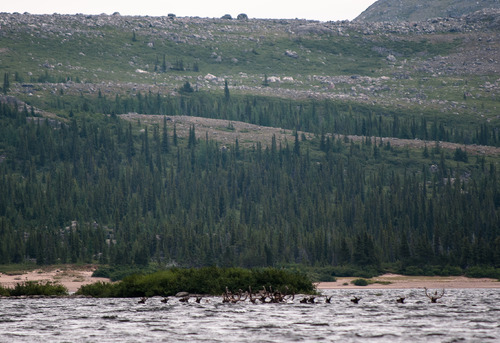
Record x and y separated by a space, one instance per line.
396 281
71 278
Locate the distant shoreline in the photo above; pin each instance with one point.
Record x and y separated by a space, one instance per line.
396 281
74 278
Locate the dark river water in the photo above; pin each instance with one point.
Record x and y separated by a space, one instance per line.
462 315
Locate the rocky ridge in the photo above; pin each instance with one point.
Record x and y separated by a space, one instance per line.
408 10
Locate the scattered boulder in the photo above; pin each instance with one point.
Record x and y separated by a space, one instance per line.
210 77
273 79
242 16
391 58
291 53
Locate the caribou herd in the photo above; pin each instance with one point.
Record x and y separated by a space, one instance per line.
270 296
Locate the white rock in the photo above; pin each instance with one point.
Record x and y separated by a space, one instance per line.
210 77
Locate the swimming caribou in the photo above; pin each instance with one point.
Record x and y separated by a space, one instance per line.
434 297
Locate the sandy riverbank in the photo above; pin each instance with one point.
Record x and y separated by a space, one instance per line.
71 278
395 281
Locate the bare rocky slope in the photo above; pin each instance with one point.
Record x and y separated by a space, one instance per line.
410 10
384 63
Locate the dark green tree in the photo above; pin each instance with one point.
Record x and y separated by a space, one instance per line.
265 83
6 83
296 145
174 136
165 145
186 88
164 64
192 137
227 96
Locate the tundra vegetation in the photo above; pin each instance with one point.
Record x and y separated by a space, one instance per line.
381 149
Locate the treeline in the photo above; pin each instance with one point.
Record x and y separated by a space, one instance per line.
312 115
99 189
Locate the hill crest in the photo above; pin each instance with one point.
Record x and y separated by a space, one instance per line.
408 10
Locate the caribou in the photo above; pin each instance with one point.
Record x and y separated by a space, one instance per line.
434 297
143 300
355 300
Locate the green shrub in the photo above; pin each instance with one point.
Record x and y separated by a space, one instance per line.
480 272
97 289
320 274
116 273
350 270
360 282
432 270
412 270
36 288
102 272
207 280
4 292
451 271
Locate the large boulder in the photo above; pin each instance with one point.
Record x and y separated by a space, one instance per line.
242 16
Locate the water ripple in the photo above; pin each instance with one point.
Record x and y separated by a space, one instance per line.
462 315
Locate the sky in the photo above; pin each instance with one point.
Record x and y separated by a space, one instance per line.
323 10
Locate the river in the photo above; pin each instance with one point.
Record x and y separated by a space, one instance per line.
470 315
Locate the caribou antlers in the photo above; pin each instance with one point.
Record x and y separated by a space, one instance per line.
143 300
229 297
434 297
269 296
264 296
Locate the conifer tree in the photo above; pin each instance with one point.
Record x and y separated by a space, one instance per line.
192 137
265 83
174 137
296 146
6 83
226 91
164 139
164 64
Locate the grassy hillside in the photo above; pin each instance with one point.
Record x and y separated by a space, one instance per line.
448 67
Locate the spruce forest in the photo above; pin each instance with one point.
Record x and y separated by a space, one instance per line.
98 166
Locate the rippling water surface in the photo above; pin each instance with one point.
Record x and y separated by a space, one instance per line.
461 315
